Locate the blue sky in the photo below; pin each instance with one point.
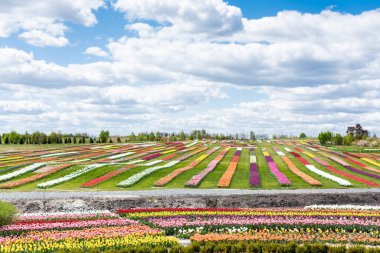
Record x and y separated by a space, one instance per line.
276 67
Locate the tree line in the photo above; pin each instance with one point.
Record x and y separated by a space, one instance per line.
38 137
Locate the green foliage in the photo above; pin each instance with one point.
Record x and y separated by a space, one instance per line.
303 136
347 140
104 136
235 247
325 137
7 213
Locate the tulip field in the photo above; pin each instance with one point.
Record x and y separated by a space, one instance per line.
165 229
197 164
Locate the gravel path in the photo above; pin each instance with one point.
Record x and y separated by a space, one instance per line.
169 192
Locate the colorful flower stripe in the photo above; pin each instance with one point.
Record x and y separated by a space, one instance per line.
172 212
46 225
343 207
254 176
33 178
70 176
75 215
197 179
166 179
281 178
225 180
345 174
120 155
22 171
98 242
137 177
308 179
362 165
86 233
107 176
283 235
347 166
366 223
312 168
145 158
371 161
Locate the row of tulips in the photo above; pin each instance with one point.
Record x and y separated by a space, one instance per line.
70 176
22 171
171 212
166 179
294 235
20 227
319 172
138 176
88 240
339 172
70 215
130 165
349 167
305 177
281 178
253 221
226 179
254 176
35 177
197 179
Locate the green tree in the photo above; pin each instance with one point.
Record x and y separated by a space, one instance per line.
132 137
252 136
118 140
325 137
104 136
182 136
303 136
91 140
347 140
337 139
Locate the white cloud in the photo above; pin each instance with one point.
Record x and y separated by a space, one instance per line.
195 66
41 23
199 16
97 51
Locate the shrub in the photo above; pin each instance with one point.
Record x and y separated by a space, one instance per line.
7 213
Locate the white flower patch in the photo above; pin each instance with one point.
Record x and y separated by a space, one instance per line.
24 170
79 161
288 150
338 180
252 159
59 154
99 147
191 144
343 207
120 155
312 149
70 176
280 153
152 162
137 177
135 161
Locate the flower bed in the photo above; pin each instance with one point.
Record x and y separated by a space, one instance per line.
35 177
254 176
317 171
303 225
225 180
165 180
70 176
197 179
22 171
281 178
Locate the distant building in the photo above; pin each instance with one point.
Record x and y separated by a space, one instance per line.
357 131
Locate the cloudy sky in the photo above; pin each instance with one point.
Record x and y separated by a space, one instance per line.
271 66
